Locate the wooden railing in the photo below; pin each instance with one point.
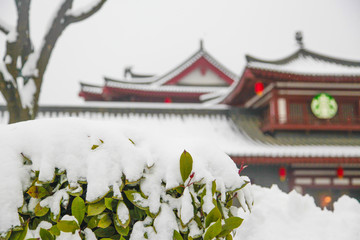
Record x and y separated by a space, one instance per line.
338 123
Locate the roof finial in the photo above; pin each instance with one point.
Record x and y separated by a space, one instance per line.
299 39
201 44
127 72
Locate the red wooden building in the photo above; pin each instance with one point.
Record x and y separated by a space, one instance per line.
200 74
304 101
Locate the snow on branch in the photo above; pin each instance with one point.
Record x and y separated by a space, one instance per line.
26 92
76 15
5 74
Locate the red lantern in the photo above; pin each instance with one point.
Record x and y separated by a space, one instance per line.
167 100
340 172
259 88
282 174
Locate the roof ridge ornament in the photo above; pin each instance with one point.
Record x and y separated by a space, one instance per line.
299 39
201 44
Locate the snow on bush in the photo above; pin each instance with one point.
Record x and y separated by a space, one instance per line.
280 216
74 179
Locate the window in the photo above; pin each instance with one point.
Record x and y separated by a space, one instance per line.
296 113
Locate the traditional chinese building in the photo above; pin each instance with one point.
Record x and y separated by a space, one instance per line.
306 108
198 75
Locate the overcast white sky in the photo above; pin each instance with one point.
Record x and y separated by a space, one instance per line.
154 36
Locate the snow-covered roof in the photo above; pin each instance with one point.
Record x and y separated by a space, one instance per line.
199 54
91 88
190 77
161 80
134 80
225 134
219 130
307 63
163 88
236 133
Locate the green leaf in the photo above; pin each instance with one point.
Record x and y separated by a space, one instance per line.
68 226
5 236
177 236
229 237
34 223
26 160
239 188
19 235
55 218
54 230
46 235
213 230
130 194
132 182
98 199
96 208
122 231
122 209
104 232
213 188
197 219
179 190
95 146
105 221
40 211
93 222
78 209
76 192
186 163
37 192
108 203
231 223
213 216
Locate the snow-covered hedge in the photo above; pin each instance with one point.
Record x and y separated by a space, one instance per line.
277 215
69 178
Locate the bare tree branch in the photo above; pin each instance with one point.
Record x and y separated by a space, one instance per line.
3 86
21 45
33 63
71 18
5 28
23 29
51 37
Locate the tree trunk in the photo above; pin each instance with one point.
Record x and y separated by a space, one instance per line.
18 113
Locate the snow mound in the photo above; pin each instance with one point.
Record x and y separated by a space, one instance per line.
100 153
280 216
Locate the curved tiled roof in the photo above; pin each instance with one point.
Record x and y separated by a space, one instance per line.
200 53
163 88
307 63
91 88
161 80
142 80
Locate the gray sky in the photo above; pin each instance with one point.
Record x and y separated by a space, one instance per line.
154 36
